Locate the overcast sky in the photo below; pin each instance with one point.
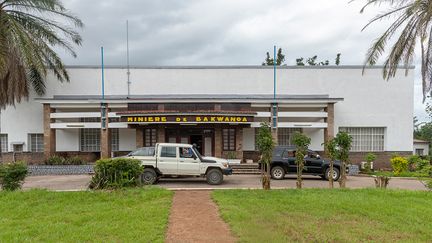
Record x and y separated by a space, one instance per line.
225 32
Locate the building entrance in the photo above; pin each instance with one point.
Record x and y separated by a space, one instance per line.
203 138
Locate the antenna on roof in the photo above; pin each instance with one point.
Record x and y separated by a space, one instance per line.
127 53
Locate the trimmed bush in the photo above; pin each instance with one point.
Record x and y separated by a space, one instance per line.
59 160
116 173
399 164
413 162
369 158
12 175
55 160
76 160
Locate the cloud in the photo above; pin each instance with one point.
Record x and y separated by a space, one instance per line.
225 32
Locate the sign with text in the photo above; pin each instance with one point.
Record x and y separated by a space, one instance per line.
187 119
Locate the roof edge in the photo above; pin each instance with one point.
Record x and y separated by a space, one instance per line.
231 67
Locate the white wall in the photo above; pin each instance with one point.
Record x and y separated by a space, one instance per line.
127 139
368 99
67 140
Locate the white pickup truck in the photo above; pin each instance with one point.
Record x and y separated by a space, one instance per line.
173 159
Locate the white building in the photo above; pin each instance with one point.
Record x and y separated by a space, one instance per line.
421 147
216 107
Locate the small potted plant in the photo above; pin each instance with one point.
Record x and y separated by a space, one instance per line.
232 158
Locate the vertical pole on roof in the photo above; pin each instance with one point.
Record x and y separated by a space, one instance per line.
103 76
103 105
274 105
127 54
274 74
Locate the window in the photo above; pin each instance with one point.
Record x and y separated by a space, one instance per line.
149 137
4 143
90 140
419 152
115 139
228 138
149 151
36 142
366 138
18 147
168 152
185 152
285 135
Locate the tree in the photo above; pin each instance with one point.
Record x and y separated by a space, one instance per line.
280 59
302 143
343 141
332 152
27 39
265 146
312 61
412 25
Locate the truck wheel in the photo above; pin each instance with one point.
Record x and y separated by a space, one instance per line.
148 177
277 173
214 177
336 174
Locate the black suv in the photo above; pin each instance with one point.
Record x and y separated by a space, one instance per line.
283 162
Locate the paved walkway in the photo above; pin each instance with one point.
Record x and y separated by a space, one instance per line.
195 217
80 182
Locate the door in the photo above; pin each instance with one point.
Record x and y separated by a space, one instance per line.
208 146
184 139
168 162
288 156
313 163
188 162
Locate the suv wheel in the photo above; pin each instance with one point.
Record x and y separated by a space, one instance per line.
148 177
277 173
214 177
336 174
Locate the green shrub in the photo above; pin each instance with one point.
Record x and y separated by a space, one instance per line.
12 175
116 173
76 160
399 164
55 160
413 161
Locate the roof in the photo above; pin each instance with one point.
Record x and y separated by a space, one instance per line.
228 67
195 97
420 141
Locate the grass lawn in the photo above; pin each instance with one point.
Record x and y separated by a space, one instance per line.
136 215
321 215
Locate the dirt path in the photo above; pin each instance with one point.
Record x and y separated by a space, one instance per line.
195 218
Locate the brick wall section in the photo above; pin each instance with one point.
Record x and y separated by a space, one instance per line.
106 137
329 131
49 134
382 161
218 141
34 158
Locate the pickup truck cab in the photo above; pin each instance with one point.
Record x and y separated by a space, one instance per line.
173 159
283 162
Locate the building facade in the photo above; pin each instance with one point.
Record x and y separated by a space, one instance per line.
218 108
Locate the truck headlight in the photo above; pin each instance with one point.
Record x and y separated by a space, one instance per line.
225 164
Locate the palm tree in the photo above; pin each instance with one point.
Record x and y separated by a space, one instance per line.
412 24
29 30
